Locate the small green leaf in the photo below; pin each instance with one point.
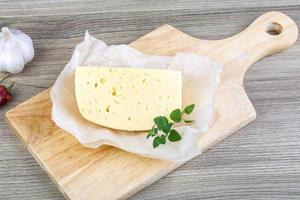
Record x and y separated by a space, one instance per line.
188 121
161 122
148 135
189 109
167 128
174 136
176 115
155 130
162 139
156 141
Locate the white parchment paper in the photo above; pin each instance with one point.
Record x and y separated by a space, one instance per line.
200 82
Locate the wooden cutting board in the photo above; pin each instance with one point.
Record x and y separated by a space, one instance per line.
111 173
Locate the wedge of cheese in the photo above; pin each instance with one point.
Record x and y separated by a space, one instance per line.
126 98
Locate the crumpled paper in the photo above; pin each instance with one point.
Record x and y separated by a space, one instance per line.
200 81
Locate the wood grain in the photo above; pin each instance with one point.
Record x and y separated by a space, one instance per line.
80 172
241 167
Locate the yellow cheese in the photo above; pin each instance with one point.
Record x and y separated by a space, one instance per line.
126 98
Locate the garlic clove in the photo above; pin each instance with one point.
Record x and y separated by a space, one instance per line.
16 49
12 63
25 40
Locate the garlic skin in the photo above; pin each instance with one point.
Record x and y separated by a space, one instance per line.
16 49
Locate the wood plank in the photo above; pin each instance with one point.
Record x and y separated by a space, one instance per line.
36 7
240 163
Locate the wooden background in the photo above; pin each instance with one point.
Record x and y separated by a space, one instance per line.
261 161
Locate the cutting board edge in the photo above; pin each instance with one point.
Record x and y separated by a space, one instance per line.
28 148
26 101
153 180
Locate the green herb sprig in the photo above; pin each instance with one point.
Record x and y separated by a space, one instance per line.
162 128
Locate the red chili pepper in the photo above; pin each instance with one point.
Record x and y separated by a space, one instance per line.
5 94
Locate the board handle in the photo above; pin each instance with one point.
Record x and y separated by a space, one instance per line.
268 34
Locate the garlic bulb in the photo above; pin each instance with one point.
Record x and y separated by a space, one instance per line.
16 49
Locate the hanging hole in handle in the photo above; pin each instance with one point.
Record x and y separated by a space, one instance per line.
274 28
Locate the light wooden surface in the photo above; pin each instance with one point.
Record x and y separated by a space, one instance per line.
261 161
80 173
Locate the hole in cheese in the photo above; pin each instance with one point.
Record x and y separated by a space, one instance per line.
102 80
113 91
107 109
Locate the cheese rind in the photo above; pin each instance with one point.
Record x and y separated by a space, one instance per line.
126 98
